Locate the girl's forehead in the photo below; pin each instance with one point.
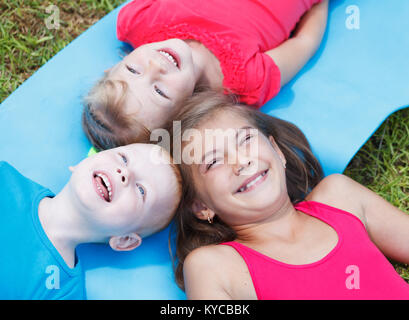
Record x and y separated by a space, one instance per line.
225 120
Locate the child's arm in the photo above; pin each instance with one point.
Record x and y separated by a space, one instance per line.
387 226
203 275
294 53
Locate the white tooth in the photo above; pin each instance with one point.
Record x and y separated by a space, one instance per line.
170 57
109 189
106 181
254 181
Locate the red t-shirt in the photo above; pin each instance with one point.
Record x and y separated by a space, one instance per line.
237 32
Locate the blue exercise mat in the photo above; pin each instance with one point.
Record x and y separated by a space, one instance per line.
357 78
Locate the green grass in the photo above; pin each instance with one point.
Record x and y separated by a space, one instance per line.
26 44
382 165
25 41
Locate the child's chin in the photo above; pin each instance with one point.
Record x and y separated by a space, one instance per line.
260 203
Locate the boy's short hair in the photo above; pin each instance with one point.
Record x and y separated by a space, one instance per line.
104 120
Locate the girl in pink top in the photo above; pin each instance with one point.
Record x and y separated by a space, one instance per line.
258 222
250 48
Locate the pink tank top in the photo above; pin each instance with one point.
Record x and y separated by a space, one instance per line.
354 269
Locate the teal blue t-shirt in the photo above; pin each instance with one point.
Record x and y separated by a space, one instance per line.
30 266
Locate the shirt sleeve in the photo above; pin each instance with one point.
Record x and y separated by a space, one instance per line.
263 80
131 19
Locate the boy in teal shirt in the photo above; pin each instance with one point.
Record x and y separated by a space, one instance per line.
117 196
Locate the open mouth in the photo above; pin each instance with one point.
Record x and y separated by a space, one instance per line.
171 56
252 182
103 186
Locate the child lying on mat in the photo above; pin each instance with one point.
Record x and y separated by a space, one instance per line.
264 225
118 196
247 48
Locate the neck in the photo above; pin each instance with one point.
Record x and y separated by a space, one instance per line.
63 224
284 224
209 72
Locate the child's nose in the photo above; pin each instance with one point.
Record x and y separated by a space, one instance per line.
155 68
240 166
123 175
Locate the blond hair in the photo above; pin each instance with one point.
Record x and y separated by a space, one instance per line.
104 120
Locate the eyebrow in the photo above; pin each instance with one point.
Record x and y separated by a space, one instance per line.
214 150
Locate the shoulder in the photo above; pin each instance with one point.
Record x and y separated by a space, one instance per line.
18 191
339 191
14 180
334 183
217 260
10 178
206 272
202 257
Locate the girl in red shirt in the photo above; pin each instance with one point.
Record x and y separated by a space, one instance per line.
249 48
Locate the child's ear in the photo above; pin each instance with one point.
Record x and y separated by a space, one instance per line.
201 211
125 243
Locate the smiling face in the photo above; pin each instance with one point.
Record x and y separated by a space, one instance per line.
126 189
159 77
238 185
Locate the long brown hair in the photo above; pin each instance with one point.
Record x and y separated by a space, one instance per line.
302 174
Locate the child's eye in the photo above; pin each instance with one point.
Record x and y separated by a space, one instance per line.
247 138
124 158
132 70
158 91
211 164
141 190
